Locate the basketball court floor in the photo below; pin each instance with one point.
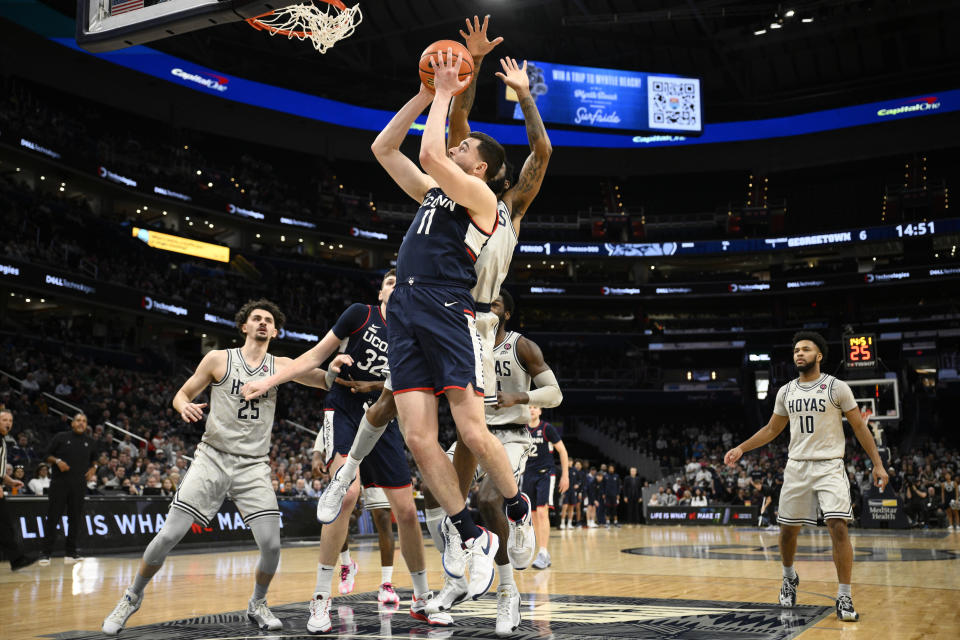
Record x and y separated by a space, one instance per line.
635 582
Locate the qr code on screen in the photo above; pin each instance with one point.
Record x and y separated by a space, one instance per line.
674 104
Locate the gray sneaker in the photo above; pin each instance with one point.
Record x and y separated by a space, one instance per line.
115 622
788 591
454 591
521 541
542 561
331 501
508 609
260 614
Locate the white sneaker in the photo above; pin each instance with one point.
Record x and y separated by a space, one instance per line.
260 615
454 592
521 541
387 594
71 559
331 500
319 621
454 558
44 561
542 561
418 611
563 525
348 574
129 604
480 562
508 609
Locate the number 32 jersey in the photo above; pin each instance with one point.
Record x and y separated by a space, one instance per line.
362 332
815 410
238 426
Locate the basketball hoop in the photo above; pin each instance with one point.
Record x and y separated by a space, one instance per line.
324 28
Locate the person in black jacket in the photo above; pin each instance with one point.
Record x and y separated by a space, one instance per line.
72 455
633 496
8 537
611 496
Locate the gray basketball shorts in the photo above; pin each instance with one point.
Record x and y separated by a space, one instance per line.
516 442
375 498
215 475
812 484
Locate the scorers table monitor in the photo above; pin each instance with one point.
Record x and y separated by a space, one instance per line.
860 350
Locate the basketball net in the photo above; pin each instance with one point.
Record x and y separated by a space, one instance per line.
323 28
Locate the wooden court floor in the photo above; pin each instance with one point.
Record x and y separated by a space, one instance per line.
906 585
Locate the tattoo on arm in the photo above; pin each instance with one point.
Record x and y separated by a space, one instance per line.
465 102
535 166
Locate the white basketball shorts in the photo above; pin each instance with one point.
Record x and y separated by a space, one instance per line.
812 484
516 442
375 498
487 328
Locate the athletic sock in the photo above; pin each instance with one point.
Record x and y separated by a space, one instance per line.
324 578
542 550
349 468
465 525
433 518
844 590
516 507
386 574
139 584
420 585
505 571
789 572
345 557
366 438
259 591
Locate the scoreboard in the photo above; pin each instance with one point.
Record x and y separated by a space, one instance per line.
860 350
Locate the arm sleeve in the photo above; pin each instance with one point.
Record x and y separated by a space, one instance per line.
547 394
843 396
318 446
779 407
351 320
551 433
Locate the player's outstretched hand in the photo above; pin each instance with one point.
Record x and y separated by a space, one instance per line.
514 76
733 456
476 39
507 399
446 70
361 386
342 360
253 389
880 477
192 412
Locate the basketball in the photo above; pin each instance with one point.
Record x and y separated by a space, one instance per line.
441 46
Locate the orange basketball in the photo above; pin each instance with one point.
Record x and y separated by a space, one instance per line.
426 71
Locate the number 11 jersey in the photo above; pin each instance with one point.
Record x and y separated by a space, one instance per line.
815 411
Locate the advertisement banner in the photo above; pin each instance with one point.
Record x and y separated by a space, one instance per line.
882 510
719 514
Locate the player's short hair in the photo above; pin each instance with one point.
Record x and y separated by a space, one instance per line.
490 152
279 319
813 337
499 183
507 301
391 272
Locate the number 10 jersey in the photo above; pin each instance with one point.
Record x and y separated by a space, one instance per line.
815 410
238 426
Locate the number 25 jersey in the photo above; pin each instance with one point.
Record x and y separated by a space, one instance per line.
238 426
441 245
362 332
815 410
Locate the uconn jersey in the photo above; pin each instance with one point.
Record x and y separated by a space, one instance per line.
238 426
511 378
442 244
362 331
815 410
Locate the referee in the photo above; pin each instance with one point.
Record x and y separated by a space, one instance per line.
8 538
72 455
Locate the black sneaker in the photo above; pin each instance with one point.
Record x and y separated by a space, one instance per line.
845 610
788 591
22 562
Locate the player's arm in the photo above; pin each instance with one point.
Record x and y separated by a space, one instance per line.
547 394
304 364
519 196
766 433
466 190
564 465
880 477
479 46
386 148
183 404
317 378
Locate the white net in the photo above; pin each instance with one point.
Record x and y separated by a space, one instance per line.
322 27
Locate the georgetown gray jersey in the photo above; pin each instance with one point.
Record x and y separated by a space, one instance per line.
511 378
815 410
494 261
238 426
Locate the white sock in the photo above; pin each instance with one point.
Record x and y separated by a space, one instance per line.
366 438
350 467
543 550
789 572
420 585
433 518
844 590
505 571
345 557
386 574
324 578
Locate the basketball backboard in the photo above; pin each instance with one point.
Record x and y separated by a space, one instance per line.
878 398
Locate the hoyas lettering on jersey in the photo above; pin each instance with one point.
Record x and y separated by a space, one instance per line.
807 404
502 367
236 385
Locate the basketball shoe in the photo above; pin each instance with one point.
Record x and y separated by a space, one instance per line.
331 500
845 610
454 558
508 609
543 560
418 611
387 595
788 593
348 572
319 621
260 615
454 592
115 622
480 562
521 541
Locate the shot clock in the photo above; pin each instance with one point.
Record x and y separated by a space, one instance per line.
860 350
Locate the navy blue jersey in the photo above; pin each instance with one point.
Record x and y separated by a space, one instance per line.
441 245
362 331
544 436
611 485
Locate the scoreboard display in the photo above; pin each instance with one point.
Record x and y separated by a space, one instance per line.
860 350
